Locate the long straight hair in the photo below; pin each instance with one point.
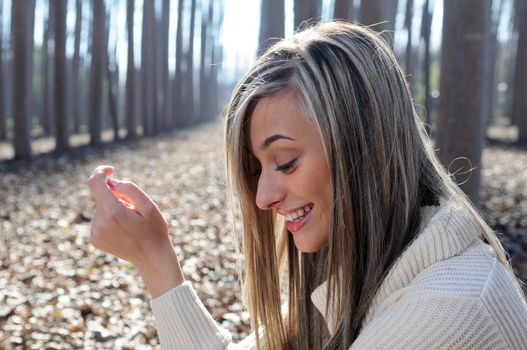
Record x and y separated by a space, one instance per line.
383 170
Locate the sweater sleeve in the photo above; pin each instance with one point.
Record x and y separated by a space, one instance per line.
183 322
434 322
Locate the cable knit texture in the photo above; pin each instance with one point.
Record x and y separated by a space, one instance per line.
446 291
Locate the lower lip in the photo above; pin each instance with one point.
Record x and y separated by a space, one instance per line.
294 226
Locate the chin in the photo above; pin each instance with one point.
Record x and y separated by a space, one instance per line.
308 246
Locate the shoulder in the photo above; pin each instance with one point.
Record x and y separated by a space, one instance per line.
475 273
462 275
467 301
431 322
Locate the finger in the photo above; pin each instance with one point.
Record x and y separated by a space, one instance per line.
97 183
133 195
127 202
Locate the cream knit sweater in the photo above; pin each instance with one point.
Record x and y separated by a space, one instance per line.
446 291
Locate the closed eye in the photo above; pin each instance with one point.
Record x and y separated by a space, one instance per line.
287 167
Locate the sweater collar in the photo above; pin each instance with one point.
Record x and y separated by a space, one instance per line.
446 231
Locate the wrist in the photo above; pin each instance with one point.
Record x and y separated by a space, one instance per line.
161 272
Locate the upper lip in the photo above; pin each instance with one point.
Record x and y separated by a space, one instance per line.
289 211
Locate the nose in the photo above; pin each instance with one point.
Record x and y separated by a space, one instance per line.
270 192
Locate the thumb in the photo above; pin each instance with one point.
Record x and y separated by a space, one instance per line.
133 197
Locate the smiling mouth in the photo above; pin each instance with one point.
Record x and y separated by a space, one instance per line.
299 214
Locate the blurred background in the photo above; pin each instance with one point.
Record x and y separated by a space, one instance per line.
141 85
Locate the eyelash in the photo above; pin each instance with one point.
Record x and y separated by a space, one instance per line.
285 168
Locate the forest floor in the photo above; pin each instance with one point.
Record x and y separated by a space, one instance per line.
59 292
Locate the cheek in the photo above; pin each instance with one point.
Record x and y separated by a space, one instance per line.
321 185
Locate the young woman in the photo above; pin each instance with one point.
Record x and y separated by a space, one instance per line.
354 236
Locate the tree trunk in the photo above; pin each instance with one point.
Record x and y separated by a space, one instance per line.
44 71
519 102
165 76
409 66
110 67
112 101
156 69
272 24
131 132
75 71
61 118
190 68
213 30
96 71
343 9
30 49
48 102
490 67
210 111
426 26
20 37
217 56
85 84
178 79
148 69
3 118
460 124
307 10
203 60
381 14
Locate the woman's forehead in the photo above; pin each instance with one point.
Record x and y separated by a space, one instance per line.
275 116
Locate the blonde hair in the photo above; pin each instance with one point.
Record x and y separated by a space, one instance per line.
383 170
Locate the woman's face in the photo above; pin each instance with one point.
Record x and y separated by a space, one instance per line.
293 174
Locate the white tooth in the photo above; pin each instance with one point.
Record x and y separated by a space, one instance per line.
288 217
294 215
307 209
300 212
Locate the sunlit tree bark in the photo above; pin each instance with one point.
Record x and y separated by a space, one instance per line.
460 122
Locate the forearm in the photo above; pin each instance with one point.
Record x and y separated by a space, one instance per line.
161 272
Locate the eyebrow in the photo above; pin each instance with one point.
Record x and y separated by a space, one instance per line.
272 139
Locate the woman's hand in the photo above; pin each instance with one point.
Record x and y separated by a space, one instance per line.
129 225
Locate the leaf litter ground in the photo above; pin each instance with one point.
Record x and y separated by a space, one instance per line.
59 292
